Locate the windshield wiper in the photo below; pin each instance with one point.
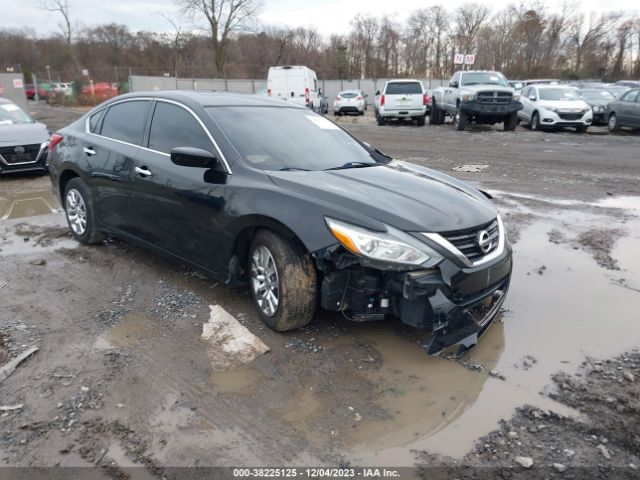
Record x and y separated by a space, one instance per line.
353 165
288 169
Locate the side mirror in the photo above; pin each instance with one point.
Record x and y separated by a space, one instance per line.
453 84
377 92
193 157
319 92
366 95
532 98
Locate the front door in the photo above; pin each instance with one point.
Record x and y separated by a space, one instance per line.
178 207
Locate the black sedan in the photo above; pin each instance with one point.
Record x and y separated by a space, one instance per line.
624 112
597 98
275 196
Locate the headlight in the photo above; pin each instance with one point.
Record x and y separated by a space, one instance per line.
393 246
516 97
468 97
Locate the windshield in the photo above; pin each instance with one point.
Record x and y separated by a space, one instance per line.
403 88
484 78
10 114
277 138
596 95
559 94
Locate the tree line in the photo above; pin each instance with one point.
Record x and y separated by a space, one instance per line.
220 38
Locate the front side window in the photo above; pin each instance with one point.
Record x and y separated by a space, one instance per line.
404 88
630 96
282 138
173 126
126 121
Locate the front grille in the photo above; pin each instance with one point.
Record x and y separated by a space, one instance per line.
571 116
11 157
467 240
494 98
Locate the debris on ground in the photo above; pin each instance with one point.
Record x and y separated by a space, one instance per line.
471 168
230 344
11 366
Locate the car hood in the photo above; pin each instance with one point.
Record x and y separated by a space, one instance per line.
564 104
400 194
23 134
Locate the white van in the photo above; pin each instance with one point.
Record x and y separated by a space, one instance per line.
296 84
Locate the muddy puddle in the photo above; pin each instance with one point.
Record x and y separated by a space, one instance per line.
27 204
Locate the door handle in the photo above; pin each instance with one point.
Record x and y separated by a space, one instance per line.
89 151
143 172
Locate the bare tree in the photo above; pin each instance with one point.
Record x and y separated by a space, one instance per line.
223 19
61 7
584 34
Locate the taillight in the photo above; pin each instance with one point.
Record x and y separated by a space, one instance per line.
426 99
338 98
54 140
382 100
359 97
269 91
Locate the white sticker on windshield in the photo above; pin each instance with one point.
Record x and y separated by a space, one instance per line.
10 107
322 122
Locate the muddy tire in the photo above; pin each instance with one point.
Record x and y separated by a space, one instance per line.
613 124
80 213
511 122
421 121
534 124
282 281
459 120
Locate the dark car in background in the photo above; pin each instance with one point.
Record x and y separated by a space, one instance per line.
272 195
624 112
23 141
597 98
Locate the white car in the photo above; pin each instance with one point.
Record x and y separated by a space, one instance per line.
552 106
63 87
402 99
350 101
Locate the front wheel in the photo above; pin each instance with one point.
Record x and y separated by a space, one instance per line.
511 122
613 124
534 124
581 128
80 214
283 282
459 120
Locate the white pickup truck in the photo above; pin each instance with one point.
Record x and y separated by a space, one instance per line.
401 99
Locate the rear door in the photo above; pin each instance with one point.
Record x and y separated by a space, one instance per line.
109 149
176 207
404 96
635 113
626 109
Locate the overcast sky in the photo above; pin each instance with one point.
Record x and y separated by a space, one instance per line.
328 16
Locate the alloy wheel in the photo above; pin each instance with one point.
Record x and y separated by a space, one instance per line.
612 122
76 212
264 280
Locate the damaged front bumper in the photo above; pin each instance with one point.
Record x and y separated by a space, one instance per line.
456 303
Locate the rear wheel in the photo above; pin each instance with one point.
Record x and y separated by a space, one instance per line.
283 282
459 120
381 120
421 121
511 122
534 124
80 214
436 117
613 123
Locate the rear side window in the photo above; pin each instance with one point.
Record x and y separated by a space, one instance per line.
94 121
404 88
173 126
126 121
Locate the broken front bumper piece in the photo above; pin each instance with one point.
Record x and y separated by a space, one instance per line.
457 304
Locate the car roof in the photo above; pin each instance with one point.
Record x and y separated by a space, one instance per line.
5 100
210 98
